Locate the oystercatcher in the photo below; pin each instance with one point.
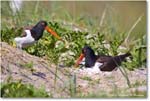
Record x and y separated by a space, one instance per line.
34 34
105 63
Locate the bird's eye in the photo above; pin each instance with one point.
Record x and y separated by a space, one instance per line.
43 23
84 50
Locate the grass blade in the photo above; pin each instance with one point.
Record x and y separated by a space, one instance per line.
133 26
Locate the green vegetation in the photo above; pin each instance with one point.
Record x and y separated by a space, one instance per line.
75 42
101 33
18 90
86 78
123 93
28 65
8 34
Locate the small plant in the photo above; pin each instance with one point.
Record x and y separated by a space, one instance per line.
137 84
28 65
100 94
138 55
72 88
8 34
18 90
86 78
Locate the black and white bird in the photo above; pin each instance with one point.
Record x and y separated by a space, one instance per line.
103 62
30 36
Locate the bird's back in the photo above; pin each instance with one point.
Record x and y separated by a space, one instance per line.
110 63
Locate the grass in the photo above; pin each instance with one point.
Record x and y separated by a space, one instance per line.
72 88
28 65
101 33
115 93
137 84
86 78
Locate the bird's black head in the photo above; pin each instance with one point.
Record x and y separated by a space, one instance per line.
41 24
87 50
90 57
38 29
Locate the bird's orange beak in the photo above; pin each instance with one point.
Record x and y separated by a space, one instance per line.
53 33
79 59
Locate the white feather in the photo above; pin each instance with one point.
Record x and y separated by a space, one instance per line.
25 41
82 62
92 70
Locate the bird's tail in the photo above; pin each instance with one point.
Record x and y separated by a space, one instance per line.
118 59
17 39
16 42
126 55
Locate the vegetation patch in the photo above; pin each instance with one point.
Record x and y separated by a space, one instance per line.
20 90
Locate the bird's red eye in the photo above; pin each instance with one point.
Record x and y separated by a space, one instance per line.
43 23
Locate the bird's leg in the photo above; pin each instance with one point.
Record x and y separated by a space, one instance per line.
20 46
17 46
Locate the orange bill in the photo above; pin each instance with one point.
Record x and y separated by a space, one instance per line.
79 60
53 33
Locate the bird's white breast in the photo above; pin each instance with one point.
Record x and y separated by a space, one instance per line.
97 65
28 38
82 62
92 70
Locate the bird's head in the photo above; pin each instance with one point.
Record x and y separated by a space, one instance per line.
86 51
41 26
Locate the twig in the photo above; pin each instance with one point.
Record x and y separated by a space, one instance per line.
133 26
102 18
124 74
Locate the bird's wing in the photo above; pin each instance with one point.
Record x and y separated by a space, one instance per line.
103 59
26 28
108 64
23 34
